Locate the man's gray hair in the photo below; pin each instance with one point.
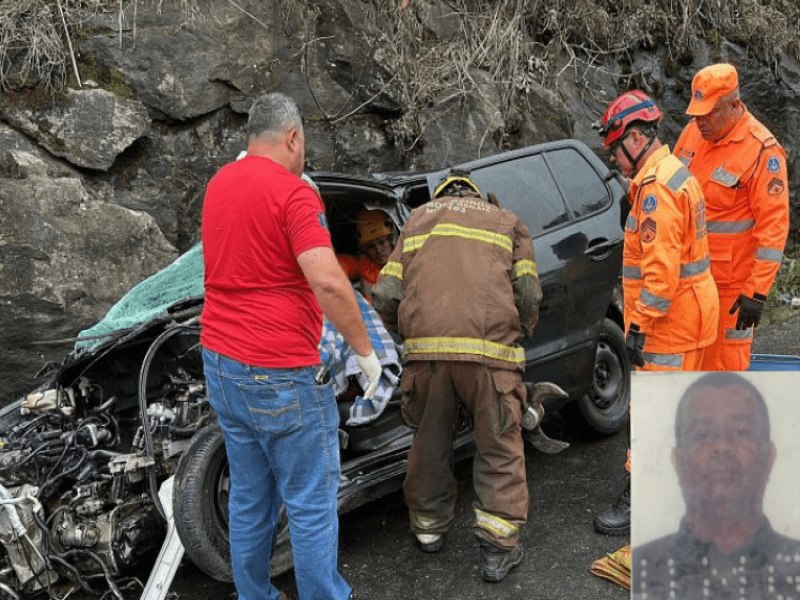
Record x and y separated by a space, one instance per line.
273 115
717 380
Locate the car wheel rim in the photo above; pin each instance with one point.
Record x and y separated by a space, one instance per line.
608 380
221 494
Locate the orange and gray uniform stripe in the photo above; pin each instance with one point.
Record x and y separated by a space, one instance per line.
666 276
746 190
461 284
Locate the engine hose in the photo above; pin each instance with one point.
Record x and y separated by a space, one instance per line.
148 436
51 480
106 573
13 516
47 538
75 574
183 432
9 592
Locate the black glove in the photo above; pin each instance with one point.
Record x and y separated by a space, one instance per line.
749 310
634 342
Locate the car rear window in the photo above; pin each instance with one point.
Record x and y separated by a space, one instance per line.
580 184
525 186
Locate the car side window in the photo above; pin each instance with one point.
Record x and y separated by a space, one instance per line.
580 184
525 186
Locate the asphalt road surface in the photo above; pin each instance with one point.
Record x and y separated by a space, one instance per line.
379 559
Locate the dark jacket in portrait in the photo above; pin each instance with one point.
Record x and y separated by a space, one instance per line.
682 566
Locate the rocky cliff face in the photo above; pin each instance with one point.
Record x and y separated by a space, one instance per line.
102 185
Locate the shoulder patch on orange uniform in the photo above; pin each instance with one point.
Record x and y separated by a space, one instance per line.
775 187
647 232
773 164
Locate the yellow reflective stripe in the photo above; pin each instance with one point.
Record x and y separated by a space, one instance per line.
460 345
500 527
415 242
393 269
524 267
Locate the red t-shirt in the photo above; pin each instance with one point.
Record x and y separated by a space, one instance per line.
259 309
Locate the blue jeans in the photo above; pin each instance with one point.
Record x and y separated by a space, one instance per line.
281 436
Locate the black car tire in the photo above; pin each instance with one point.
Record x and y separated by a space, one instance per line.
604 409
200 508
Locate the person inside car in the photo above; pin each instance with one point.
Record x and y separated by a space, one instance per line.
376 239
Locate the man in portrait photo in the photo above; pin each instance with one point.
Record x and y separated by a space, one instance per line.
720 543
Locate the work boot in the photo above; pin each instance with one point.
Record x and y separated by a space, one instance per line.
496 562
430 542
616 519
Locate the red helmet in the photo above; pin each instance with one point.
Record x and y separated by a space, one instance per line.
629 107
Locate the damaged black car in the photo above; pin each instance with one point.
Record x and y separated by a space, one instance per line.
84 457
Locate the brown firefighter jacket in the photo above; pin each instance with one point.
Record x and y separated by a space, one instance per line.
461 284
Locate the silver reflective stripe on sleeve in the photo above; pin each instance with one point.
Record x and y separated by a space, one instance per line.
687 270
654 301
631 272
678 179
738 334
730 226
663 360
769 254
695 267
630 223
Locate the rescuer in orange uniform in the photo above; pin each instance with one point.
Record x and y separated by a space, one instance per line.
742 170
461 286
671 308
376 240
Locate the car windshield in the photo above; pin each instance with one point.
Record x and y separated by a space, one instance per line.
180 281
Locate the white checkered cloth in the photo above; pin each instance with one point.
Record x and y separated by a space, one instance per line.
340 360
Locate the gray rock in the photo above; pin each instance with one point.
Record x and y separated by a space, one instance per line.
88 127
168 70
165 175
65 257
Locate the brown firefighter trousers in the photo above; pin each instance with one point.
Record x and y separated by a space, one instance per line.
432 394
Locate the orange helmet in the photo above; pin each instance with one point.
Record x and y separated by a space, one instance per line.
373 225
626 109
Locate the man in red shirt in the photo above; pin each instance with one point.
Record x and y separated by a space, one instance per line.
270 273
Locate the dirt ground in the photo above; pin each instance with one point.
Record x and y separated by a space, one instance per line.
779 337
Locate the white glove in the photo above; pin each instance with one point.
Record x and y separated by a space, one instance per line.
371 368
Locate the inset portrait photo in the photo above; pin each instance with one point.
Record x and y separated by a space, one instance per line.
714 485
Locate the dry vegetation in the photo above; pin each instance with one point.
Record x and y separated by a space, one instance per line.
38 37
515 41
524 42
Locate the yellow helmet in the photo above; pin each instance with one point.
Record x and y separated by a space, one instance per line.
455 179
373 225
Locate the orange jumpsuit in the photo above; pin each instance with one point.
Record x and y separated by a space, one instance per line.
362 269
667 283
666 279
745 186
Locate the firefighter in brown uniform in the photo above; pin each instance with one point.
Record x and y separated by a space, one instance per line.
461 288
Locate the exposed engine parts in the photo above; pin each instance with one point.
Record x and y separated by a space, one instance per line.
80 459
